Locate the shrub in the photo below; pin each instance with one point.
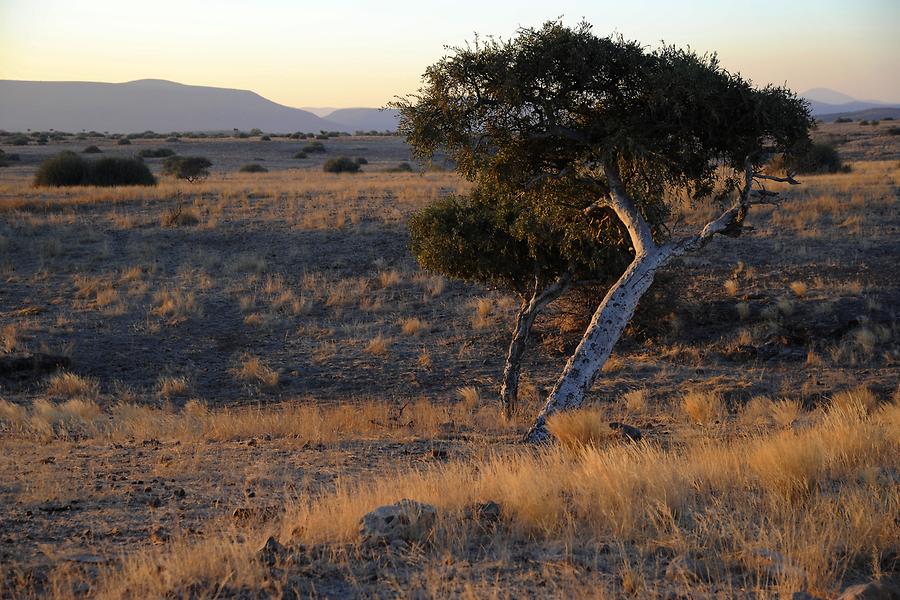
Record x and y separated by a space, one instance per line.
92 150
64 169
340 165
190 168
361 161
403 167
18 140
843 120
265 138
300 154
314 147
124 141
819 158
322 136
864 122
68 169
172 139
113 171
893 131
253 168
156 153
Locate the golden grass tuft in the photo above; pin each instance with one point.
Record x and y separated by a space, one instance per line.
799 288
253 370
170 387
857 401
379 345
176 304
70 385
703 407
785 413
411 326
636 401
583 427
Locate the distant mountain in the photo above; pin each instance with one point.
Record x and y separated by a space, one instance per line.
869 114
365 119
147 104
826 102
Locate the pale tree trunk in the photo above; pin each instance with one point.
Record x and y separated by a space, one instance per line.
620 302
540 298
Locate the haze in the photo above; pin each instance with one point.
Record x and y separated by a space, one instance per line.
357 53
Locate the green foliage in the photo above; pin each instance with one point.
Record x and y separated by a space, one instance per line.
503 242
172 139
92 150
561 102
190 168
341 164
113 171
64 169
300 154
156 153
265 138
818 158
313 147
18 140
124 141
70 169
253 168
403 167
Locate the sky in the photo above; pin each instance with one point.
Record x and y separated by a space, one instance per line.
363 53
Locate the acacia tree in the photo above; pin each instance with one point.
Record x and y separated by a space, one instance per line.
498 239
633 127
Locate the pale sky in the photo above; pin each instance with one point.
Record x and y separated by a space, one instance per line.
362 53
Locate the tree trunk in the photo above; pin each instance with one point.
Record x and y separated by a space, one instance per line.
620 302
607 325
509 388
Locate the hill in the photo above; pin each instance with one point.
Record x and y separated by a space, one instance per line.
364 119
148 104
824 101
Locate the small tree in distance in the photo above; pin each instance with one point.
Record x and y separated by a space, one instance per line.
630 127
189 168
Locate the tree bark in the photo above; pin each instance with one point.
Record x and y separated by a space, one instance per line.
509 388
620 302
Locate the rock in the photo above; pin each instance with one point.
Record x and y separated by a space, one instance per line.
629 432
272 552
882 589
406 520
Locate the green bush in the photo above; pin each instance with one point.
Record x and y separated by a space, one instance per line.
172 139
403 167
314 147
92 150
69 169
253 168
190 168
819 157
300 154
361 161
18 140
342 164
156 153
113 170
124 141
64 169
265 138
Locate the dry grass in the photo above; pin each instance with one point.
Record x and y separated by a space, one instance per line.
703 407
585 427
252 370
70 385
176 304
379 345
411 326
170 387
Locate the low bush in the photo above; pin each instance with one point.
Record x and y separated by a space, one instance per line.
124 141
18 140
893 131
69 169
189 168
361 161
172 139
92 150
265 138
314 147
253 168
342 164
403 167
819 158
156 153
843 120
300 154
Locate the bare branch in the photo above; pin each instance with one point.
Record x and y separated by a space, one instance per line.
788 179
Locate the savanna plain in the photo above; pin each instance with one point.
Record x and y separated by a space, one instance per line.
235 371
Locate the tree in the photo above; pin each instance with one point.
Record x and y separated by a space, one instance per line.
190 168
501 240
632 127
